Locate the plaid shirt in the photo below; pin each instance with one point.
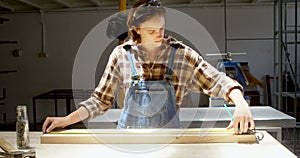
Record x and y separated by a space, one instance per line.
190 73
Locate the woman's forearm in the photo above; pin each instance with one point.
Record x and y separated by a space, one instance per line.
77 116
237 98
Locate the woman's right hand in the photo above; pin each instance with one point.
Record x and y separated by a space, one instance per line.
54 122
61 122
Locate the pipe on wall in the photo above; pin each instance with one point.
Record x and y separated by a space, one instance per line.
43 54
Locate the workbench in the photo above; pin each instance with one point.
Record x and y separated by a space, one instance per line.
67 94
265 117
268 147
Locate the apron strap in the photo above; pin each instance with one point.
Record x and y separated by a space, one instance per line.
134 75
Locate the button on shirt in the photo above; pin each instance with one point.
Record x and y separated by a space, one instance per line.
190 74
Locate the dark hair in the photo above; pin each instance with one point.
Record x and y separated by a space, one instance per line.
142 11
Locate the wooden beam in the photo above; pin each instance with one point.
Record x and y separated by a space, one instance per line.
145 136
31 3
7 6
97 2
102 3
7 147
203 1
254 1
65 3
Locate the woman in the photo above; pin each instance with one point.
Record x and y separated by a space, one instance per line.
155 71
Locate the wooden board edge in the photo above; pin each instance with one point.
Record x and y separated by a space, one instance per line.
145 139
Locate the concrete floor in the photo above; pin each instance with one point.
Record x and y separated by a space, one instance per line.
288 140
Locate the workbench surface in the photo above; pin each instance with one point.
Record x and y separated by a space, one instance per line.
268 147
207 117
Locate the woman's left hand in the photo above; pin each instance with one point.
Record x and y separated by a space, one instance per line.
242 121
242 117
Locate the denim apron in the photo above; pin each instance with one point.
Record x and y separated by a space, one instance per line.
150 104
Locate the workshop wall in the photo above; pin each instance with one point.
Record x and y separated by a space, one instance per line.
66 30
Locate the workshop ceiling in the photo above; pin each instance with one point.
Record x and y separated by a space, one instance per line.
51 5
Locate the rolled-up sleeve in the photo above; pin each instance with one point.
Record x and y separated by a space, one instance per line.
103 96
209 80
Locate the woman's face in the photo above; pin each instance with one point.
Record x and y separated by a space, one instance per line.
152 31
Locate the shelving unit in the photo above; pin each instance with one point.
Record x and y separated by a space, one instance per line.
3 97
286 60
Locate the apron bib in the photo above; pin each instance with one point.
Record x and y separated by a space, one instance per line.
150 104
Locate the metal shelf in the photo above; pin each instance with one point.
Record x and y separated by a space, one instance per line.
283 47
291 94
2 20
286 31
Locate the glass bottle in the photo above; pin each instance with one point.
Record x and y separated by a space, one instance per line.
22 127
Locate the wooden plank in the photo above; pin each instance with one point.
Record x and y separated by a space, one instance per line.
7 147
145 136
143 131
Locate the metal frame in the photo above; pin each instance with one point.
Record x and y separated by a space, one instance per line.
281 61
281 58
